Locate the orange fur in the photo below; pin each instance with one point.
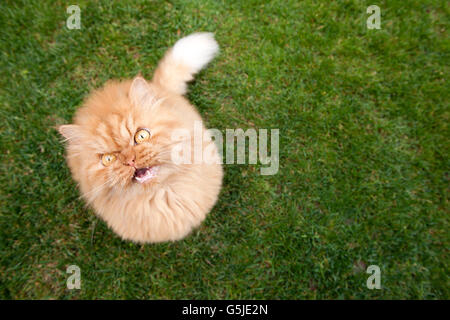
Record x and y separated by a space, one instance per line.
171 204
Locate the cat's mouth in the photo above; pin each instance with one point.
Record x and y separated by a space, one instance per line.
143 175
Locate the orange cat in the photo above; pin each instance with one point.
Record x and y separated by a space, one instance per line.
121 143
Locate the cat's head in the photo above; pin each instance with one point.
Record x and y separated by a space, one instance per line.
122 138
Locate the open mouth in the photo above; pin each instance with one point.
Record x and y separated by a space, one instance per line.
143 175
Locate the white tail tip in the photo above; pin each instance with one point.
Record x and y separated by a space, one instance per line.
195 50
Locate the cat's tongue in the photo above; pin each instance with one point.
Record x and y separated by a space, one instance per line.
144 174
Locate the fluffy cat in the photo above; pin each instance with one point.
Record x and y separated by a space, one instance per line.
120 145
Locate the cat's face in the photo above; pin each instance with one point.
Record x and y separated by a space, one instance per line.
121 139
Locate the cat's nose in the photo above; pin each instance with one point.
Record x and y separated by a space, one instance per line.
130 161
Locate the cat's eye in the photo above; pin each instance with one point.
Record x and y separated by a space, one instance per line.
141 135
108 159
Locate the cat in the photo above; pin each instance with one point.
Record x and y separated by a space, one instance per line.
120 147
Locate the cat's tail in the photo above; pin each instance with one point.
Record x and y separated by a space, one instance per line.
186 58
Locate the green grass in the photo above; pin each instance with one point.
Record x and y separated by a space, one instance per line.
364 150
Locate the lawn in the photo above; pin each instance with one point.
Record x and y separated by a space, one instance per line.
364 150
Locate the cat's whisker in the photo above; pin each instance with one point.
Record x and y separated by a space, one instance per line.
73 155
99 188
92 197
65 139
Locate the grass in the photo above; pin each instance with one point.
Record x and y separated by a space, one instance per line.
364 150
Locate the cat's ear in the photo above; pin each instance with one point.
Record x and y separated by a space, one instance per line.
71 132
141 94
